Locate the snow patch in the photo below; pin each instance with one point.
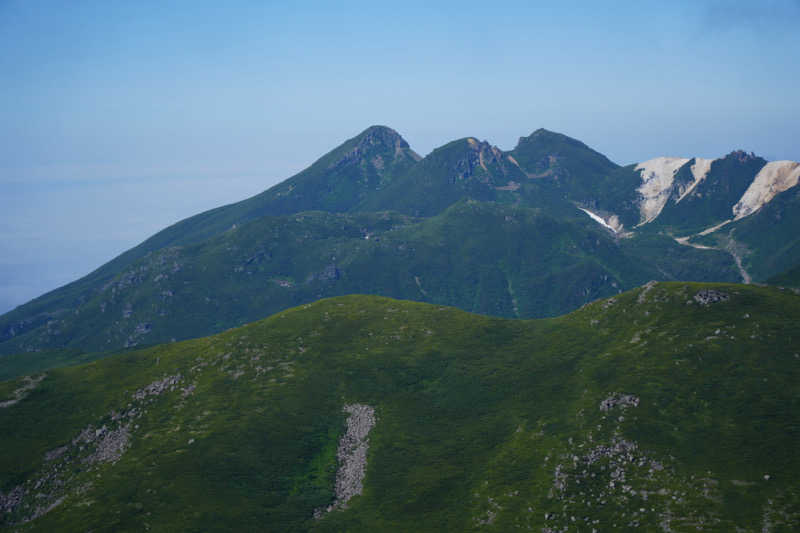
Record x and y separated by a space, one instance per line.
612 223
773 179
712 229
700 170
657 177
685 242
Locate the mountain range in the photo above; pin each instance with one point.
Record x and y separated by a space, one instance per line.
310 359
535 231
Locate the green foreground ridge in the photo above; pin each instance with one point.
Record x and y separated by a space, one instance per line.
671 407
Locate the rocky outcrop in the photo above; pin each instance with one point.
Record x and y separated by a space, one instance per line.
375 138
622 401
710 296
157 388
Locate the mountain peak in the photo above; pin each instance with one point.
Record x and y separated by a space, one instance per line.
381 136
741 156
543 131
380 145
543 135
547 154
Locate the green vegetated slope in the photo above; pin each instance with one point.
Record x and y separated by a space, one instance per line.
545 153
545 169
351 177
672 407
768 241
790 278
336 182
560 167
460 169
241 262
481 257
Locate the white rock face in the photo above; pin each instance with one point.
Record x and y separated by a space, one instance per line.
773 179
657 177
612 223
700 170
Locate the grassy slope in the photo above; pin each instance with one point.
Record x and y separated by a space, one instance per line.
479 420
485 258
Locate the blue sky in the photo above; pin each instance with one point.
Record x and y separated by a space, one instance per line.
119 118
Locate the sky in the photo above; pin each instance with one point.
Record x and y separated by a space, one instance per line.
118 119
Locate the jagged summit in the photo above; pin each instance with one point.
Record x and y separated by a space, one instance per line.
377 146
742 156
384 136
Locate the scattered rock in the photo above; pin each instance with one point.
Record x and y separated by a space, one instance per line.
20 394
10 501
157 388
608 303
112 445
619 400
143 328
55 454
645 289
710 296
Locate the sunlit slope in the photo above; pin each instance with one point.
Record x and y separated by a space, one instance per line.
675 406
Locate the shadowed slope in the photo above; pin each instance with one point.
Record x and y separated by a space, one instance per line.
486 258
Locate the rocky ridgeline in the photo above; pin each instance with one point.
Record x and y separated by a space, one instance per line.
352 456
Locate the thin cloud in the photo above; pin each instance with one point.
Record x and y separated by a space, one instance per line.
758 16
